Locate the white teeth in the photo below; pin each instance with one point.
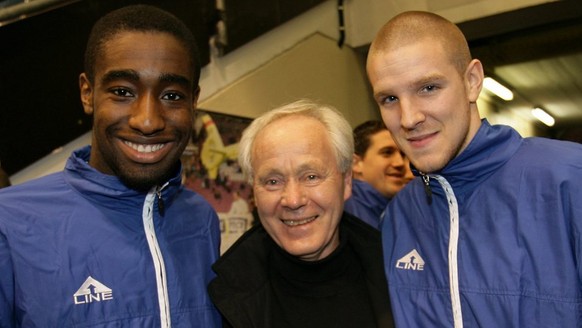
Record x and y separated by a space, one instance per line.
145 148
293 223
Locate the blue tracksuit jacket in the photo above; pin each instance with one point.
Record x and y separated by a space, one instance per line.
366 203
79 249
500 244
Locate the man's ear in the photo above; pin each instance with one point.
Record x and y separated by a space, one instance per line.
474 76
357 164
348 185
86 90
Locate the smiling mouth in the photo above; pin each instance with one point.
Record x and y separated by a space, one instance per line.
293 223
416 139
144 148
420 137
421 140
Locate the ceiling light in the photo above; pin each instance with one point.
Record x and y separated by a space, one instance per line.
498 89
543 116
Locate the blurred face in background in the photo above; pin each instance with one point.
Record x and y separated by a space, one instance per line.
383 165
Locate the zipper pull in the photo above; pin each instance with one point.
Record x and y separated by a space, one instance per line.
427 190
161 205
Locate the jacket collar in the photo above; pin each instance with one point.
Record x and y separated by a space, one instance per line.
369 196
490 148
108 190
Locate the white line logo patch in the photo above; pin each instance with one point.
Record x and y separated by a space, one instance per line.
411 261
92 291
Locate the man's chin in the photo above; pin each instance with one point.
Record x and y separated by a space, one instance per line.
145 180
142 185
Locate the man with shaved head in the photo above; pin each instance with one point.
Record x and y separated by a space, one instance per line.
490 236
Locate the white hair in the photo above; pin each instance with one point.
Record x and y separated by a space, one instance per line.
338 129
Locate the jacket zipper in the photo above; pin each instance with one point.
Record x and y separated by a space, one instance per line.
427 190
453 249
161 205
158 260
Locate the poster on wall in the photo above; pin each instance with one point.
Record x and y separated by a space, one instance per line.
211 169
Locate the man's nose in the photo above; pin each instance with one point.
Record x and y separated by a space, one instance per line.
293 196
410 114
147 115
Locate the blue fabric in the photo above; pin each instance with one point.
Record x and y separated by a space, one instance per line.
519 251
58 230
366 203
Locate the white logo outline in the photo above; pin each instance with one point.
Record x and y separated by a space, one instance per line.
411 261
92 291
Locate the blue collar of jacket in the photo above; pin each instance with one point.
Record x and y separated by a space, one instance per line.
491 147
108 190
369 196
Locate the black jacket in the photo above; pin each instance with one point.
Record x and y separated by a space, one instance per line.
241 290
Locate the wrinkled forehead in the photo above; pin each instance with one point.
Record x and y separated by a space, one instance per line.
295 134
292 129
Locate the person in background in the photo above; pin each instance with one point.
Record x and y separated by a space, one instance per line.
490 236
379 172
4 179
114 239
239 205
308 263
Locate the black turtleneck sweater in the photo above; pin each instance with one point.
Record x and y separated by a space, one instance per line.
258 285
328 293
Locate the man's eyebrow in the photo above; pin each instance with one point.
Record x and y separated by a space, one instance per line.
175 79
391 148
115 75
270 172
308 166
427 79
133 76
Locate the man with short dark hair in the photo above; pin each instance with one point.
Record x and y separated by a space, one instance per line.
379 172
114 239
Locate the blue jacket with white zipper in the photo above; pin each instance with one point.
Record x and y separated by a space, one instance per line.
79 249
493 240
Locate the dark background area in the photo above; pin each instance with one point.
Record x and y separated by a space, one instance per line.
41 58
533 34
248 19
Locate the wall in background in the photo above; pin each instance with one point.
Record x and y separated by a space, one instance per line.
315 68
299 58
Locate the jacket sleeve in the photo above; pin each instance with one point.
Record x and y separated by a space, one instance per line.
6 285
575 208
